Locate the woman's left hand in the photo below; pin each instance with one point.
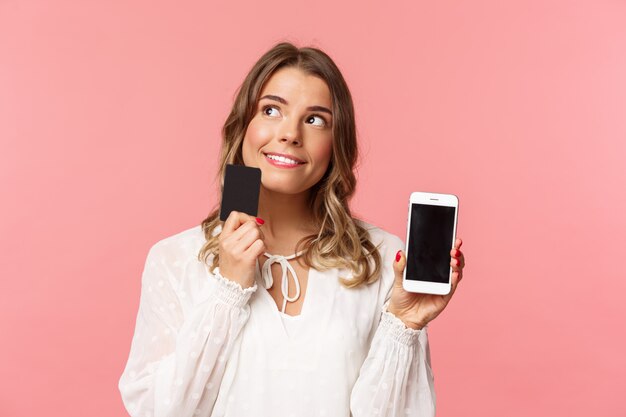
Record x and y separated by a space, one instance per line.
416 310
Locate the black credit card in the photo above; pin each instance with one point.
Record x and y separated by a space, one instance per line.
242 186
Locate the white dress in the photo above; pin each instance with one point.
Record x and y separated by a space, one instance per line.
203 346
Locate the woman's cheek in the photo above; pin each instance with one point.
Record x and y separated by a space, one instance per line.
325 152
257 136
259 133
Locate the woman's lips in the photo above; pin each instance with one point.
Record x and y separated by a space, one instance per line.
281 164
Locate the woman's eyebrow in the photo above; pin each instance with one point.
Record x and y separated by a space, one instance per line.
283 101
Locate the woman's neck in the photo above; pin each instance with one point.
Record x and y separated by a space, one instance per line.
287 217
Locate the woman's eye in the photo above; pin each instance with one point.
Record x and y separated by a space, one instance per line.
270 111
316 120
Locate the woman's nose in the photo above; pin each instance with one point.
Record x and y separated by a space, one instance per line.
290 132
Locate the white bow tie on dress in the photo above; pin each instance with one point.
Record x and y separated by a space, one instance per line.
266 274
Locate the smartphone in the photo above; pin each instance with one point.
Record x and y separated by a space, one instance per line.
430 236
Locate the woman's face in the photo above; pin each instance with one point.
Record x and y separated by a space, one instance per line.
293 118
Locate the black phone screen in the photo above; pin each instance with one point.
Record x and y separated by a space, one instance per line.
430 243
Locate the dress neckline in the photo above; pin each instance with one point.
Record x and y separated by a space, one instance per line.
289 316
268 279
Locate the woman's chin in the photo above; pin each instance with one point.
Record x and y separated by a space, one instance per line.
282 189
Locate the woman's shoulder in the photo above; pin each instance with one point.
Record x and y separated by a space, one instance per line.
181 245
388 245
381 237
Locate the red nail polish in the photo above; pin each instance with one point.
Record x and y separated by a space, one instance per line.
259 220
397 256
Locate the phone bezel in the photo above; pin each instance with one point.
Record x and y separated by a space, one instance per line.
433 199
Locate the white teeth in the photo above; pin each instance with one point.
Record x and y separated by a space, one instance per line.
282 159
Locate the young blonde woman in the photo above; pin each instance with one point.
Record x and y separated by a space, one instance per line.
301 311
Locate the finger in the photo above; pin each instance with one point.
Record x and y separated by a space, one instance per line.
256 248
458 272
246 227
250 237
456 263
234 220
457 243
456 269
453 265
461 259
457 254
399 262
242 230
456 277
232 223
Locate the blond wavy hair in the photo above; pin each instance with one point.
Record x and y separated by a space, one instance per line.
342 241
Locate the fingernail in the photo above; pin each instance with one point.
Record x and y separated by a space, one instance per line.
259 220
398 256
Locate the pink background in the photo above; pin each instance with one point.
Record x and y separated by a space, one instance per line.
110 114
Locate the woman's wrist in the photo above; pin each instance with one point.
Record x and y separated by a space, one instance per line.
395 329
231 292
408 323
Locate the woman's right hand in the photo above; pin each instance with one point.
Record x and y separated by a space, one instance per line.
240 244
